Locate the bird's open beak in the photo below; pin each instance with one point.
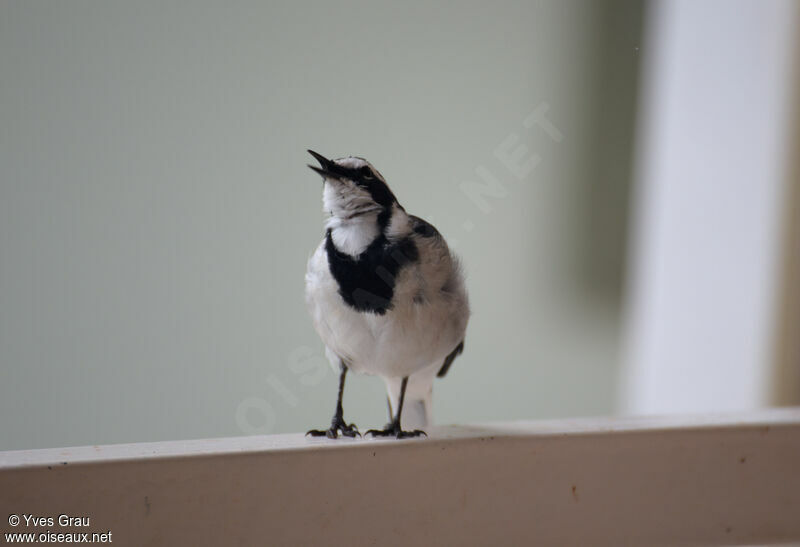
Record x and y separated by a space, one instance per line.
326 167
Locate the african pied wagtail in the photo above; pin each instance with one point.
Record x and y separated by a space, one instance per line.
385 293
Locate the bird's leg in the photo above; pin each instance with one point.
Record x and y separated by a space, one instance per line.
391 415
337 423
393 428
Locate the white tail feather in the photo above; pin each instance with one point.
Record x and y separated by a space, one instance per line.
417 403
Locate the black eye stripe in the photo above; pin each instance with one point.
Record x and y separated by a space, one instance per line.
362 176
378 189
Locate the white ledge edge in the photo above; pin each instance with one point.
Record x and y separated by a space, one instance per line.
16 459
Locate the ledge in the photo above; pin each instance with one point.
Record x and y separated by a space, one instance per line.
680 480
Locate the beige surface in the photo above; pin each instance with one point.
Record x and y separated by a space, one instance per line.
681 481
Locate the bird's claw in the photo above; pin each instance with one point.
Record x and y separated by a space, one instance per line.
394 430
337 425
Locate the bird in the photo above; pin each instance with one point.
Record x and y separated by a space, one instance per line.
386 295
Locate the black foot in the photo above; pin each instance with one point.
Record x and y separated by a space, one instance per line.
337 425
393 430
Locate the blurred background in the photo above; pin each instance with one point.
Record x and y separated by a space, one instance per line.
619 177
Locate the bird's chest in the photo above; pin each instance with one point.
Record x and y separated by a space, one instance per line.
354 308
367 282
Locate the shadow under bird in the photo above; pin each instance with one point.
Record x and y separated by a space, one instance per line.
386 296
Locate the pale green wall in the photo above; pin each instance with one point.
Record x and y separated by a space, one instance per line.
156 213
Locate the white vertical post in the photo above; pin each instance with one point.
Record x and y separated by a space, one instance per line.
711 174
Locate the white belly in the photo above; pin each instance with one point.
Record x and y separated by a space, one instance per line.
407 338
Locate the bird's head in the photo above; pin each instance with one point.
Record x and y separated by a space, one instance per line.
352 187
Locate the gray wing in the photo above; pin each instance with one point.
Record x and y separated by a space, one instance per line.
427 230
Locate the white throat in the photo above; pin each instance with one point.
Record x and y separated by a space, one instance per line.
353 235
